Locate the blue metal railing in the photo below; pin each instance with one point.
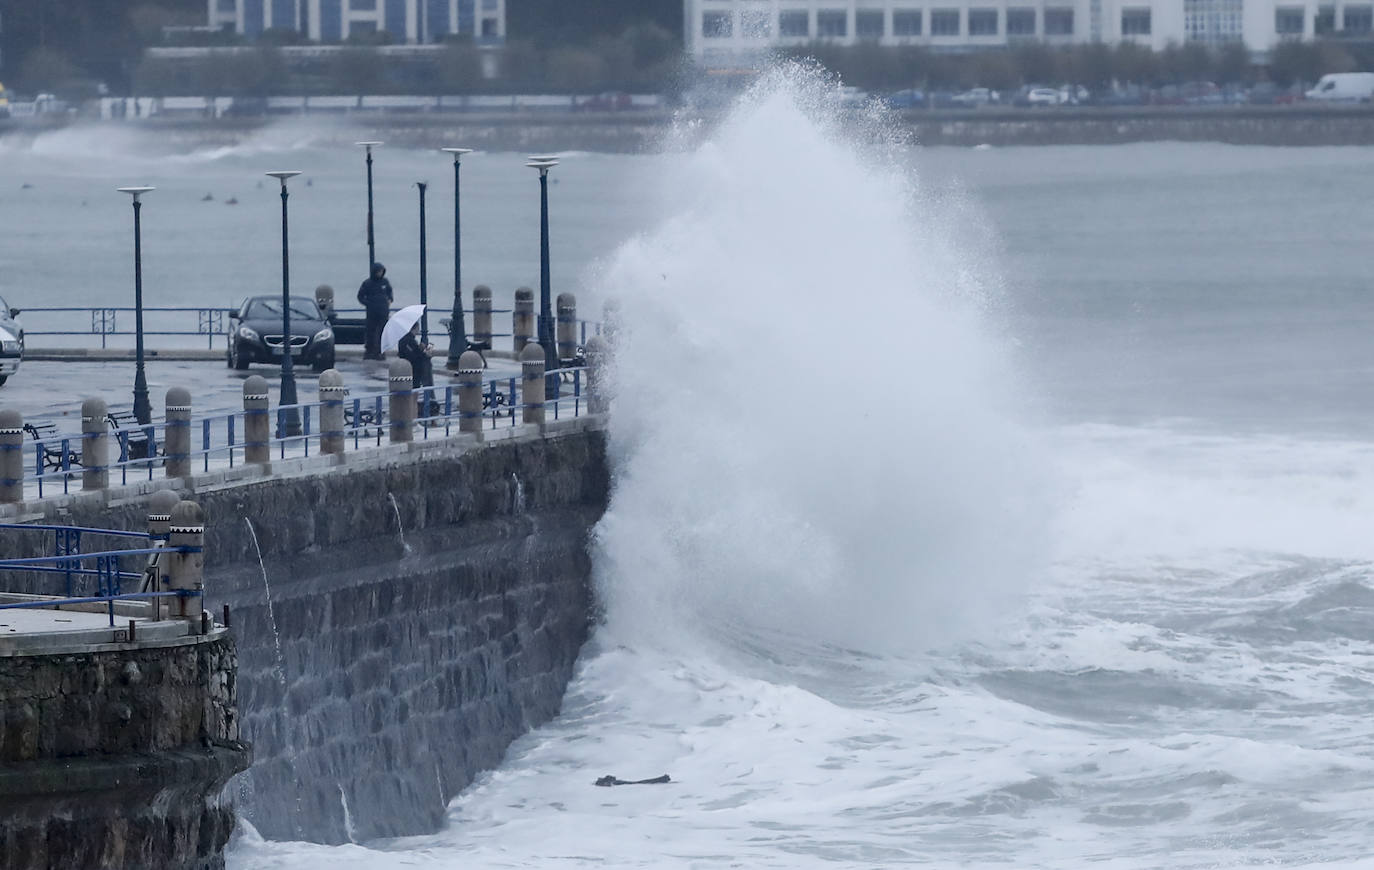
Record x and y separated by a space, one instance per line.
210 323
55 463
68 561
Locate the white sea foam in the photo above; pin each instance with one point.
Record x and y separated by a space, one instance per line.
1187 683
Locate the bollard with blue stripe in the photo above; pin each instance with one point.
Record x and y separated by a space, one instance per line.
257 426
11 457
178 432
95 445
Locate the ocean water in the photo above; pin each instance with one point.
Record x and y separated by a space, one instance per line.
973 508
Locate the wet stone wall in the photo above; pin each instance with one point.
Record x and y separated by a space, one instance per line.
422 616
117 756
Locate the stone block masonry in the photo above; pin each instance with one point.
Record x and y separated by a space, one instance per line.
116 755
422 606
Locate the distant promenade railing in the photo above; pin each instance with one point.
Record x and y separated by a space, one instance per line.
212 324
168 566
108 449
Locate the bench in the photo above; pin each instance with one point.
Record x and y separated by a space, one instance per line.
480 346
53 454
135 443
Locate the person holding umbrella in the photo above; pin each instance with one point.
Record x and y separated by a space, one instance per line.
375 296
402 332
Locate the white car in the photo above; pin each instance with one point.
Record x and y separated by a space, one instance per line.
977 97
1042 97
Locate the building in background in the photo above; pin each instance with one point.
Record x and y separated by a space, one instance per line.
728 30
406 21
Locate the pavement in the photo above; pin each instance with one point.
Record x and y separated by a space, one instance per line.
52 383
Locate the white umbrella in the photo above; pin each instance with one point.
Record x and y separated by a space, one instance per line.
399 324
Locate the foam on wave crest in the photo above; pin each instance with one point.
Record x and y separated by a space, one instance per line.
811 430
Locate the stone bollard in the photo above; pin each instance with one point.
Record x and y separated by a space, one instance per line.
257 427
186 571
522 319
566 319
324 297
11 457
178 432
532 387
470 392
481 315
598 358
402 401
610 321
332 392
95 445
160 506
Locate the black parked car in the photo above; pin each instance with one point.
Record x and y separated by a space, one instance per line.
11 341
255 333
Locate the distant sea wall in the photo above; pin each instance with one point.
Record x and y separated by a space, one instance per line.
634 131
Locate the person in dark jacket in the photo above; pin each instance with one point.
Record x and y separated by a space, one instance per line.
375 296
410 349
421 368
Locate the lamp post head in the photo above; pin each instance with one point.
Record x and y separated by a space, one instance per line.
543 164
368 145
136 192
283 174
457 152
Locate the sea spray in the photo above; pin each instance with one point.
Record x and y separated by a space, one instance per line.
811 427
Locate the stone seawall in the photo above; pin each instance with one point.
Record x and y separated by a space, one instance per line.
115 756
427 607
633 132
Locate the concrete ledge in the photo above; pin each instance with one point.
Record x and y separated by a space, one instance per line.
80 777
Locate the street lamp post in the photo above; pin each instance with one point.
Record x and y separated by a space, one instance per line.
544 164
457 328
143 410
424 270
290 420
371 239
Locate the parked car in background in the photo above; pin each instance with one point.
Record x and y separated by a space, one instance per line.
944 100
1037 96
975 97
1270 94
11 341
255 334
1344 88
911 98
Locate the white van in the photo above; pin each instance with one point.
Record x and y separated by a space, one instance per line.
1344 87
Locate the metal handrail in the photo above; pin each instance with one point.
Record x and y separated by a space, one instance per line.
219 433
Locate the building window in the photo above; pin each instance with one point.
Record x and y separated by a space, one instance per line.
794 24
906 22
357 27
227 6
756 24
717 25
832 23
1059 22
868 24
1212 21
944 22
1020 22
982 22
1288 20
1325 22
362 5
1135 22
491 27
1358 19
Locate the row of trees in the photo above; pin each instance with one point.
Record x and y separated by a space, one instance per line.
644 58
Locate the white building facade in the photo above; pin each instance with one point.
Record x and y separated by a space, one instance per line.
408 21
724 29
